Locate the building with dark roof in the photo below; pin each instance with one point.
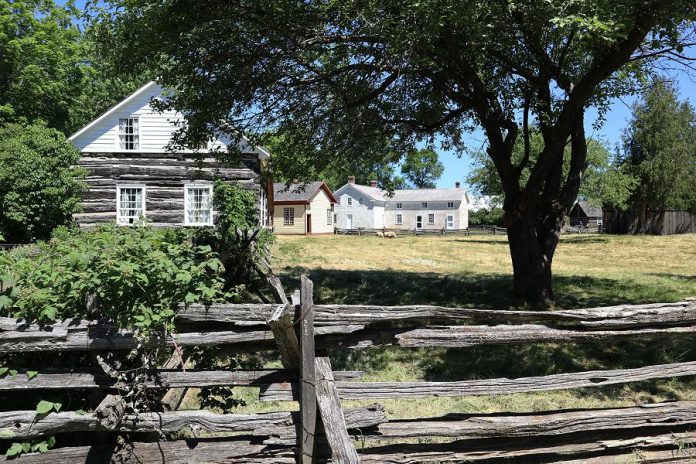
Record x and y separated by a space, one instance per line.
301 209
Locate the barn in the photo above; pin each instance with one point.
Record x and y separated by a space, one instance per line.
585 215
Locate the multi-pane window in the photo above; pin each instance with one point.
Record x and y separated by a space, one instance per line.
399 219
424 204
399 205
450 204
431 218
199 205
130 202
129 134
350 201
329 217
450 221
289 216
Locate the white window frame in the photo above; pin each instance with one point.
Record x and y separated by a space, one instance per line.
449 223
136 134
329 217
399 219
431 219
350 201
424 204
289 219
143 215
450 204
399 206
206 186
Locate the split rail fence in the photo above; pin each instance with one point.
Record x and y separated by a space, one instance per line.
302 331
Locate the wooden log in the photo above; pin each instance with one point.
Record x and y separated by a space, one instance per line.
466 336
281 325
476 426
621 316
55 379
342 449
501 386
523 450
110 411
27 424
191 451
308 399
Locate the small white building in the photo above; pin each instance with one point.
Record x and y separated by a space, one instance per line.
368 207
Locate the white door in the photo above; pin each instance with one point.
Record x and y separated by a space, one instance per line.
419 222
349 221
450 221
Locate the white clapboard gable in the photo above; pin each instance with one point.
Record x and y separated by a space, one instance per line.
155 128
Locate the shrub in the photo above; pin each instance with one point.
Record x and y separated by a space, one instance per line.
39 187
134 276
487 217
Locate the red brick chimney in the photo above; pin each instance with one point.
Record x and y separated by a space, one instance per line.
373 183
351 179
457 184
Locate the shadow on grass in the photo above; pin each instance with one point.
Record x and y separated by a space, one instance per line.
488 291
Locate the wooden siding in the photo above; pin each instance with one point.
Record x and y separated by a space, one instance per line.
317 208
163 174
298 228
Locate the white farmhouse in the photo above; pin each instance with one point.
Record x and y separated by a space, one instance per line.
368 207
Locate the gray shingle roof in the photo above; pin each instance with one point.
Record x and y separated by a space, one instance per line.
295 192
590 211
428 195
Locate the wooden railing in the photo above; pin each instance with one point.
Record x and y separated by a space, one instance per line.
300 331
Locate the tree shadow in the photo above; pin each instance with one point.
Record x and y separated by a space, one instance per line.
487 291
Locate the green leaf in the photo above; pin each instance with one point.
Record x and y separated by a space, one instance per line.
5 301
44 407
57 406
14 450
3 371
13 372
6 434
32 374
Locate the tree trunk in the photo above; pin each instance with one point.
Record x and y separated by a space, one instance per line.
533 239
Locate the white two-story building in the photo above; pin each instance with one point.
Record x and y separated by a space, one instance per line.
368 207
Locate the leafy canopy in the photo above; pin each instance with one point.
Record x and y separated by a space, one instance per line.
40 188
422 167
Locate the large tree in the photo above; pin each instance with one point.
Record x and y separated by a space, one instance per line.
660 150
605 182
422 167
344 73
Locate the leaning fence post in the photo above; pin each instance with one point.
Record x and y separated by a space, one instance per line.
280 322
308 396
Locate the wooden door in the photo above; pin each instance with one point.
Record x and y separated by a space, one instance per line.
309 223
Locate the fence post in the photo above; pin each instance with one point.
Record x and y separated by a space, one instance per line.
308 397
280 322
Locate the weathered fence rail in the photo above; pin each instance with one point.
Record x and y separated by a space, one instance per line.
301 331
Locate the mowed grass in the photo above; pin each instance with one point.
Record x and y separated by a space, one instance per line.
475 271
589 270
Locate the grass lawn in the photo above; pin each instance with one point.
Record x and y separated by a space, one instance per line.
475 271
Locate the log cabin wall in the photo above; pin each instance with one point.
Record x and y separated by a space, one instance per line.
164 176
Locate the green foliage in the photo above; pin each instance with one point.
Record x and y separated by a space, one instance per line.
660 150
134 276
604 182
44 407
236 206
50 70
40 188
487 217
40 445
422 167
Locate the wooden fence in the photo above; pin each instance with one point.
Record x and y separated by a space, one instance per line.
301 331
472 230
